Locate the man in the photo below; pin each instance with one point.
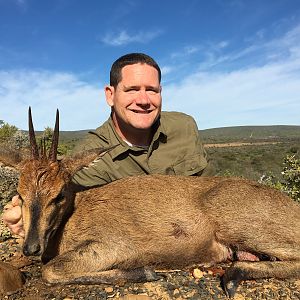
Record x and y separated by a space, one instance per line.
146 140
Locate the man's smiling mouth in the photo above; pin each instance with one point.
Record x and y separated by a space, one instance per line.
141 111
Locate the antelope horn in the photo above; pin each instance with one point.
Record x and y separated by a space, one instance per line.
54 143
33 144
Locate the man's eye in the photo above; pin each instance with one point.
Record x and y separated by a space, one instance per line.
152 91
132 90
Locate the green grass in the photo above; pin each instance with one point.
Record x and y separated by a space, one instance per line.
251 161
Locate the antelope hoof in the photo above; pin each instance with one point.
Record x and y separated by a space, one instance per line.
150 275
231 280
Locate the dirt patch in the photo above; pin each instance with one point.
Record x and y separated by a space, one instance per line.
238 144
173 284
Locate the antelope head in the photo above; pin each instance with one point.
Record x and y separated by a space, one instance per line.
44 190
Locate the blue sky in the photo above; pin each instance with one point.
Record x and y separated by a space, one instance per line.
225 62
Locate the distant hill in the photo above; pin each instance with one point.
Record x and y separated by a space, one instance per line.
67 136
220 135
251 133
248 151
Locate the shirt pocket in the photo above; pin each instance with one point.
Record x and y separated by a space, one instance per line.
190 165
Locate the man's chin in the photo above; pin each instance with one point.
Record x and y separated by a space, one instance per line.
144 122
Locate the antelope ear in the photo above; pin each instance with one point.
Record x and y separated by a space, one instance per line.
83 159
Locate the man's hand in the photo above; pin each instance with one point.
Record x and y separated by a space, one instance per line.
12 216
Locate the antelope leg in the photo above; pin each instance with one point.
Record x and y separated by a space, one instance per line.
244 270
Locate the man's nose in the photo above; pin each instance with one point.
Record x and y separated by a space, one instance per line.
142 98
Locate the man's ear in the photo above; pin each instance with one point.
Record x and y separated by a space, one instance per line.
109 95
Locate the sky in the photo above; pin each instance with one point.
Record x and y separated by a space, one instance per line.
225 62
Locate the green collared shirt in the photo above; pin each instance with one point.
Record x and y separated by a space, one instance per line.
176 149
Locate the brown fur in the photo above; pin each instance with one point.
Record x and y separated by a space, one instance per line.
108 234
156 220
11 279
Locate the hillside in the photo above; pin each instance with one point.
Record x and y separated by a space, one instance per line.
248 151
223 134
251 133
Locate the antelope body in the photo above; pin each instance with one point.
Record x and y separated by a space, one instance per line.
115 232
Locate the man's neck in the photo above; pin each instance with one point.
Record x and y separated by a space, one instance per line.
133 136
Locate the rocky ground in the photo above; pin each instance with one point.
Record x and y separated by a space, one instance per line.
191 283
8 184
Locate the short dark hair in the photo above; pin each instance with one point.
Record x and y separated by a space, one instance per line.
130 59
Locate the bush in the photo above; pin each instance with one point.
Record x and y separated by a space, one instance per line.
6 131
291 175
291 178
46 137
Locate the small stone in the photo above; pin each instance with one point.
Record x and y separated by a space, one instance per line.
109 289
176 292
197 273
135 297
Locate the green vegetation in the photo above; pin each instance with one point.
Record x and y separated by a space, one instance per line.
253 161
290 182
46 138
6 131
278 133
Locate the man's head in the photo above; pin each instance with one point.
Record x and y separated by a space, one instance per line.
130 59
134 94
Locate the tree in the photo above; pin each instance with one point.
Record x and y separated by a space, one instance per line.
46 137
6 131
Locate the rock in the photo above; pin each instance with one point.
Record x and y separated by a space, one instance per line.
197 273
11 279
8 184
135 297
109 289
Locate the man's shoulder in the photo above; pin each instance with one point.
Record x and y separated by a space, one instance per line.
95 138
174 120
102 130
176 116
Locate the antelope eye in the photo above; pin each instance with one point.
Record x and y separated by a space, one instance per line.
60 197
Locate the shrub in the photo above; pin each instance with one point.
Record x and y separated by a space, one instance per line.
291 175
6 131
291 178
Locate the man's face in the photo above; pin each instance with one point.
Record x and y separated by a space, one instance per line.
136 100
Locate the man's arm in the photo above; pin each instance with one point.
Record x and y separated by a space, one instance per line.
12 216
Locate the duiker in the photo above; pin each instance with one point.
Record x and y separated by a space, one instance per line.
119 231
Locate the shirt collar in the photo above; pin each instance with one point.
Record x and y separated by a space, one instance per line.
108 134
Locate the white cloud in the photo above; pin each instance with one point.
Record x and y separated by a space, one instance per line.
81 105
166 70
21 2
123 37
261 86
255 96
222 44
249 94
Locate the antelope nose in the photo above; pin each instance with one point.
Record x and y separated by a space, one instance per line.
32 249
